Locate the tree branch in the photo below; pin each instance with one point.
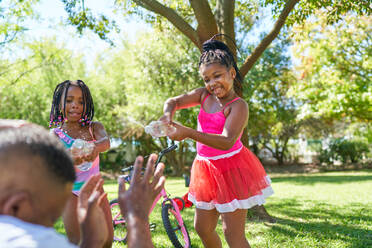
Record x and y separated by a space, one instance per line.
171 15
8 38
251 60
42 64
225 18
4 70
207 26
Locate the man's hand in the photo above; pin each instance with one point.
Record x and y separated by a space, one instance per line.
90 214
135 203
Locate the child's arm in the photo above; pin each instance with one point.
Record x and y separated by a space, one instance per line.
235 122
102 142
187 100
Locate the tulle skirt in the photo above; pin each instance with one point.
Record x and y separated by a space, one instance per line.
229 182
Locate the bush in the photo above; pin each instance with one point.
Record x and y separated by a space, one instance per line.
325 156
343 150
113 159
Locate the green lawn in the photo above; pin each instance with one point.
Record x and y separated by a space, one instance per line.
331 209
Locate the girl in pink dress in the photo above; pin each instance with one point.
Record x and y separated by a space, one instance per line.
226 178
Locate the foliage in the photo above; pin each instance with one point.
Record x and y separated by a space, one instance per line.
245 12
82 17
13 16
334 10
27 84
343 150
335 66
273 115
113 159
167 67
200 20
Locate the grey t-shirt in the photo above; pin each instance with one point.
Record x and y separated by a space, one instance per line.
15 233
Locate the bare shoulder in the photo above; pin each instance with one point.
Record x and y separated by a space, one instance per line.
97 126
98 130
240 104
203 92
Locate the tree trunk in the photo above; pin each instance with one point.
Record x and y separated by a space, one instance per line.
260 212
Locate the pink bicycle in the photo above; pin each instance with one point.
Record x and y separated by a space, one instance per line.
170 213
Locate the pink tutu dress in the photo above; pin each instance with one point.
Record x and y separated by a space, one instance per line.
226 179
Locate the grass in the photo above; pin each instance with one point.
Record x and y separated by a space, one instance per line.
330 209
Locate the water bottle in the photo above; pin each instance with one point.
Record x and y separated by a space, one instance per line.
77 147
159 129
81 148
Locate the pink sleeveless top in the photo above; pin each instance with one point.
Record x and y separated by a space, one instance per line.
214 123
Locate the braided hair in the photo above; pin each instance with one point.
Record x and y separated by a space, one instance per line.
215 51
57 117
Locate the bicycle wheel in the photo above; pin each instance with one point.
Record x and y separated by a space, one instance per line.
120 227
177 233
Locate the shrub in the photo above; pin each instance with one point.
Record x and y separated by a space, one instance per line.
343 150
113 159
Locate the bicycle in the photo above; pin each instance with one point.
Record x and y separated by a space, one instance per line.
170 212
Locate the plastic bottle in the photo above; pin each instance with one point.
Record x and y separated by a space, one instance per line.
81 148
159 129
77 147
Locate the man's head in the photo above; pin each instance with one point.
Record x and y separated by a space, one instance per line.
36 174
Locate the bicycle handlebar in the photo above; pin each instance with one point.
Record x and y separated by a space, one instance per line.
166 150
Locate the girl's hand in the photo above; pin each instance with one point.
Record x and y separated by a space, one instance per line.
92 155
77 159
166 118
180 132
